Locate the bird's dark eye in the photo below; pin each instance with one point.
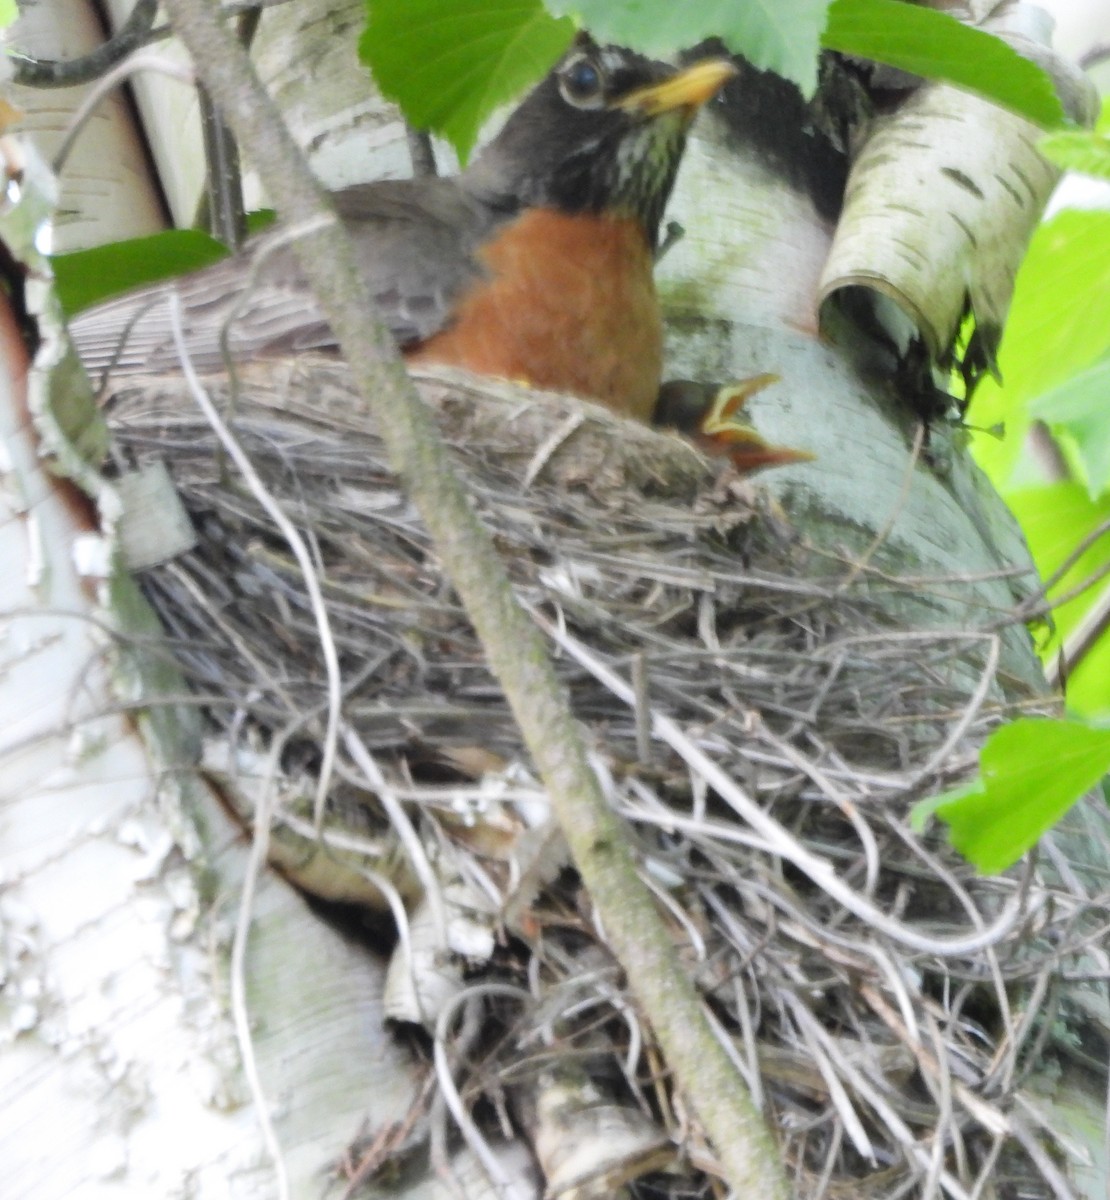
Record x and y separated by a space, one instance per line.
581 83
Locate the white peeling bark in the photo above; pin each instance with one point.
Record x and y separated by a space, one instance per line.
120 1074
107 192
307 56
940 205
947 190
171 122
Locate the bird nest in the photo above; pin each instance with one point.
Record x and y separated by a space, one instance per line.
758 717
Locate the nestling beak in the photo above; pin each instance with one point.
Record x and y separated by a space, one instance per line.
688 90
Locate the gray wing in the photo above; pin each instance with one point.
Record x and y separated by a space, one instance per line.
415 244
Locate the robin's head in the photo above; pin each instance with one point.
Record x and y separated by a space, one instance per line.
603 132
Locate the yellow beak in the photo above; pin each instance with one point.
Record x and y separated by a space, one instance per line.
689 89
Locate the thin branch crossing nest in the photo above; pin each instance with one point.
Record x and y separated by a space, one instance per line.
760 719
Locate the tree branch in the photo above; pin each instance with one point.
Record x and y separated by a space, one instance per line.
516 651
136 31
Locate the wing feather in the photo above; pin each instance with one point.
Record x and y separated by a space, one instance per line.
416 245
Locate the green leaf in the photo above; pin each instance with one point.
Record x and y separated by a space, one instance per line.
1056 519
1078 150
778 35
1080 407
8 12
1102 125
1088 683
1058 326
936 45
999 431
86 277
1059 323
1032 771
259 219
450 63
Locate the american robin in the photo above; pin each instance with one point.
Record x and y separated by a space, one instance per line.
712 416
535 264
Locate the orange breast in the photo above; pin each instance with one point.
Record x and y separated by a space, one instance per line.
570 305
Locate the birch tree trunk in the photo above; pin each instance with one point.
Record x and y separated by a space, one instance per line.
122 881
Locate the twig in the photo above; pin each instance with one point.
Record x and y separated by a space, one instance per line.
158 63
548 447
1037 604
48 73
897 1127
1081 641
421 153
450 1092
844 803
389 1137
1053 1176
1046 452
296 543
934 1066
514 647
778 840
974 704
227 220
398 818
884 530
